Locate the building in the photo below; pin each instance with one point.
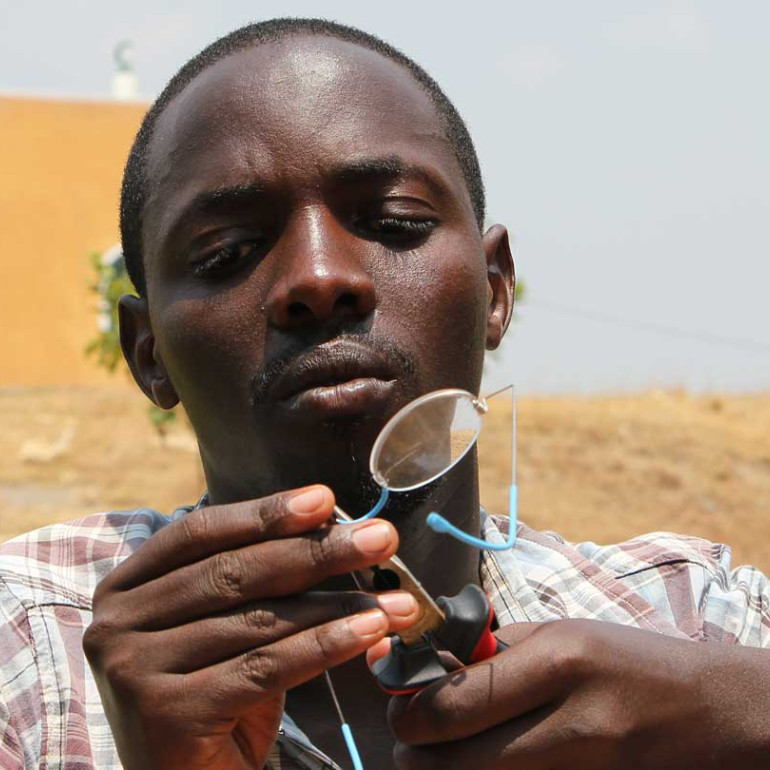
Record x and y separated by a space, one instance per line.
60 168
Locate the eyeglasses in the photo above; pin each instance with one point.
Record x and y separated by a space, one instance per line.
426 439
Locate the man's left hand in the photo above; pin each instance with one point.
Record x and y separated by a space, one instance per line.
591 695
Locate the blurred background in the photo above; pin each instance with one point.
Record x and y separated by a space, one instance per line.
625 147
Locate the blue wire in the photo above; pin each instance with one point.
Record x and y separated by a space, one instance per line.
439 524
347 734
377 508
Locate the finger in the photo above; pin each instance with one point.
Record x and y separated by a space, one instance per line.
530 674
207 531
268 570
514 633
511 634
236 684
528 743
208 641
379 650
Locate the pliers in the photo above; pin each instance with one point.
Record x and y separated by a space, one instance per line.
459 624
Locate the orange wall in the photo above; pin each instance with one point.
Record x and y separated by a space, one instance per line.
60 170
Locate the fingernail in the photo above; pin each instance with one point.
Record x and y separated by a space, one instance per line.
400 605
373 538
371 623
307 500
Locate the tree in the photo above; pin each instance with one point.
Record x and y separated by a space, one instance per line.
110 284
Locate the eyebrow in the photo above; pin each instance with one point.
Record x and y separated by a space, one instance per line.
390 167
222 197
386 168
211 201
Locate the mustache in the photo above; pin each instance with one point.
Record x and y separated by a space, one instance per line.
403 361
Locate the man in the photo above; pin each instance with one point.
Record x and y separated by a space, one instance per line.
301 216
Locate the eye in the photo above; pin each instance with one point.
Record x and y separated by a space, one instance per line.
398 231
226 258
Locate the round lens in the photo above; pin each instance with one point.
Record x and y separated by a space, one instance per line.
425 439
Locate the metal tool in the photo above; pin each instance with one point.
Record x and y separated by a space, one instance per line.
461 625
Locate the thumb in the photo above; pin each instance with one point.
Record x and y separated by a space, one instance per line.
511 634
514 633
377 651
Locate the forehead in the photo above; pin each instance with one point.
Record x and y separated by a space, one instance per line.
287 111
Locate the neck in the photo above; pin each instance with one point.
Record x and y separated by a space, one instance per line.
442 564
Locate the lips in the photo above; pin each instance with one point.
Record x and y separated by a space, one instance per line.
340 377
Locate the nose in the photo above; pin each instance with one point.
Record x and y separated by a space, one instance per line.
320 274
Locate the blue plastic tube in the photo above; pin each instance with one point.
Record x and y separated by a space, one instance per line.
377 508
347 734
439 524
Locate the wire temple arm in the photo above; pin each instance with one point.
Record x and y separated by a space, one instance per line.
439 524
347 733
380 504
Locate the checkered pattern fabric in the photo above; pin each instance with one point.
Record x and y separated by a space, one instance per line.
50 712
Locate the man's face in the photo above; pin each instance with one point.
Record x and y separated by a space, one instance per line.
313 261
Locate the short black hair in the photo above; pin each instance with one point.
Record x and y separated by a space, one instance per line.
134 189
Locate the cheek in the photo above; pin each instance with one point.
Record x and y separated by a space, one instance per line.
440 312
211 348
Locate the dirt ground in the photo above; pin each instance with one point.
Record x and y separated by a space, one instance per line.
598 468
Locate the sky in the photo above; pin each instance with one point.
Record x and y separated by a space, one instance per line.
624 145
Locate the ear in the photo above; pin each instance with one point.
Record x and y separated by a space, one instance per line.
501 279
142 354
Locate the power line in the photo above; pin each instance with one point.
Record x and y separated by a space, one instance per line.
734 343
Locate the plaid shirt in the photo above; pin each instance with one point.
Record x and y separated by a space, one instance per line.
50 712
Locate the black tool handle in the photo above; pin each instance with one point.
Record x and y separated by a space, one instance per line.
467 631
467 634
406 670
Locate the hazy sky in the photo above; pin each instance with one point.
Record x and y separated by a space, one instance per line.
622 144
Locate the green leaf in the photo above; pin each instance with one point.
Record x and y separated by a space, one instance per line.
110 283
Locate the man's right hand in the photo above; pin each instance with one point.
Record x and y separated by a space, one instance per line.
198 634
